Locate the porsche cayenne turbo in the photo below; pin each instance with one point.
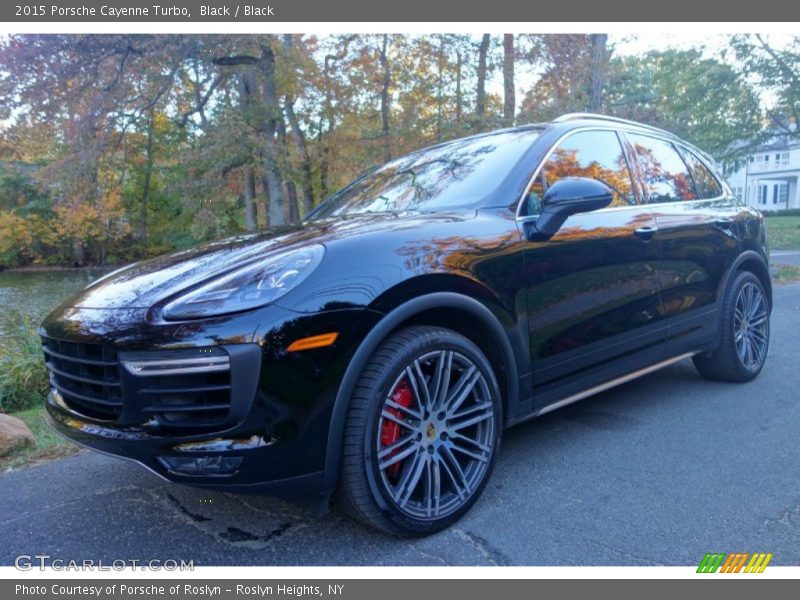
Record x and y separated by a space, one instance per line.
374 355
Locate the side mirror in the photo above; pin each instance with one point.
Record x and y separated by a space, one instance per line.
567 197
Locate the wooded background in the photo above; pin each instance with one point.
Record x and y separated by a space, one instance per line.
115 147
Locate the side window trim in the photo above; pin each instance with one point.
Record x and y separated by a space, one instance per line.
556 144
633 168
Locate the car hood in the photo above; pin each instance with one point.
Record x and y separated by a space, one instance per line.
145 283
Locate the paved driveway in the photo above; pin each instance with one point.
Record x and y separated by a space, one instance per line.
786 257
658 471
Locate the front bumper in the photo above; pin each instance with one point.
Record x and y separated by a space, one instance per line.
275 437
253 450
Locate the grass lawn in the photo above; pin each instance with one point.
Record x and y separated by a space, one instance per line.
48 446
783 233
785 273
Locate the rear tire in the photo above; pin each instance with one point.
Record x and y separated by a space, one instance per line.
744 334
422 433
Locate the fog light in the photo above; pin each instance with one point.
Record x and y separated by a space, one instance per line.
202 465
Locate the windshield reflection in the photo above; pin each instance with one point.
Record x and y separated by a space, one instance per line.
456 174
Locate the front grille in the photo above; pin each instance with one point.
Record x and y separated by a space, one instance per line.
183 390
177 390
86 376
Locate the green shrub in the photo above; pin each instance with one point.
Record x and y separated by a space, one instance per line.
788 212
23 376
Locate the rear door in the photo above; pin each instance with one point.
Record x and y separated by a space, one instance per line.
696 235
593 302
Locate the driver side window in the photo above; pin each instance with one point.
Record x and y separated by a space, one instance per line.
590 154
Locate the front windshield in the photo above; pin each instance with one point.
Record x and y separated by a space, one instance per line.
459 173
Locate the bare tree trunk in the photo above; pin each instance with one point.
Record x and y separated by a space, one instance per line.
247 87
250 214
198 96
148 176
299 138
439 88
509 102
325 127
272 179
305 157
327 121
597 74
78 253
291 210
387 81
480 101
459 99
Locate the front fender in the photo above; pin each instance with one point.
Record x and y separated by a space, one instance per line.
391 321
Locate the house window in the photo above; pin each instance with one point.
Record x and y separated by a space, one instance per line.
762 194
782 193
782 159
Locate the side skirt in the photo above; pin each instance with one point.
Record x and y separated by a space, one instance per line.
602 387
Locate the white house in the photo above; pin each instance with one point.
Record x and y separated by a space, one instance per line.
768 178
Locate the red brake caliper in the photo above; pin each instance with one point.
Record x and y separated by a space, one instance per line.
390 432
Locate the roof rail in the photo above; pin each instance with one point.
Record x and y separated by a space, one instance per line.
597 117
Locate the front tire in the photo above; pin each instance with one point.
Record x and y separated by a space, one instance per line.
744 337
422 433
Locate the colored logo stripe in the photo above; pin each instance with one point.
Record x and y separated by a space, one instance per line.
710 563
733 563
758 563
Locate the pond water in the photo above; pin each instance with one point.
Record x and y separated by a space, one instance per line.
35 293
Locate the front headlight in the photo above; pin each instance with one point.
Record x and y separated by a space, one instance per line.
252 286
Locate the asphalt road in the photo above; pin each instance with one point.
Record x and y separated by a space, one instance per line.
656 472
786 257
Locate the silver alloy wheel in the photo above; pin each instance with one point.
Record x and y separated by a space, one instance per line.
751 326
442 441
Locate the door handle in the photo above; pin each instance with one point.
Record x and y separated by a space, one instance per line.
724 222
645 233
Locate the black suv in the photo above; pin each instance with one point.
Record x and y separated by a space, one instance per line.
375 354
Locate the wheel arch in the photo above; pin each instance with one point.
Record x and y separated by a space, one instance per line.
458 312
755 263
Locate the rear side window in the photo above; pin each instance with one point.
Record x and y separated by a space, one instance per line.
664 175
705 184
591 154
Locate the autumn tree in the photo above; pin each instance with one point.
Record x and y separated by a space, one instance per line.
698 98
118 147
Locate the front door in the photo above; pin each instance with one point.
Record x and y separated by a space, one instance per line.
593 303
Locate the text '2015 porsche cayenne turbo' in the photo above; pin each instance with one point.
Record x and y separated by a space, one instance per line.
374 355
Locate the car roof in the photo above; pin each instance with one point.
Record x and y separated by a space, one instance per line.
581 119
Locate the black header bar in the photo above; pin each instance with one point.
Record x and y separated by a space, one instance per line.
441 11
